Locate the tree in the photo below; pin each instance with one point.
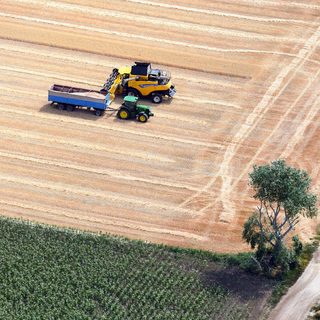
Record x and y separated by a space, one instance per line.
284 196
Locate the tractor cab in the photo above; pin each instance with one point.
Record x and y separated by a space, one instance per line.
130 109
130 102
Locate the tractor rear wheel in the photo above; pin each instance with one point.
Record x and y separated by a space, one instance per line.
142 117
123 114
156 98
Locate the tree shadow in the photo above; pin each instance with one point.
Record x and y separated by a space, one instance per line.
245 285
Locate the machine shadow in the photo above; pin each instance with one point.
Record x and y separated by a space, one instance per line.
81 113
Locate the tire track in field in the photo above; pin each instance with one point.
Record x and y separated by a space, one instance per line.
46 75
258 112
207 101
239 34
313 110
160 22
111 127
113 197
163 115
12 46
85 60
76 80
219 13
87 218
310 105
106 172
145 19
66 55
262 3
92 60
11 90
71 142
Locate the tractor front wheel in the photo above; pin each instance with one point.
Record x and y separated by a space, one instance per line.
123 114
142 117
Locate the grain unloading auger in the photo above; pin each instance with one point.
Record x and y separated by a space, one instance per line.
141 81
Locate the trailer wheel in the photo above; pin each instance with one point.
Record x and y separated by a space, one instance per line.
123 114
61 106
70 107
142 117
156 98
98 112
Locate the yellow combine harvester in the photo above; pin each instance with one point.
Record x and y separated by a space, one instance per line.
141 81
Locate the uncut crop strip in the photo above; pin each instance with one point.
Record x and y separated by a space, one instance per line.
65 262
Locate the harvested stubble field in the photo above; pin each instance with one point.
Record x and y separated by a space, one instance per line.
247 75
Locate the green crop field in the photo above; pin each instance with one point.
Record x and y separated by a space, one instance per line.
48 273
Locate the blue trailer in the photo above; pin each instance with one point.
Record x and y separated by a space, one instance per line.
69 98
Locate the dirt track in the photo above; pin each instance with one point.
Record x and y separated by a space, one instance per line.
298 301
247 75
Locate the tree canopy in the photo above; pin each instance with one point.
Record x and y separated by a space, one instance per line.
284 196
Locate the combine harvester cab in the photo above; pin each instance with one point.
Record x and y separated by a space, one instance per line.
69 98
141 81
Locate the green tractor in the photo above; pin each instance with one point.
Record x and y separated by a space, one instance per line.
130 109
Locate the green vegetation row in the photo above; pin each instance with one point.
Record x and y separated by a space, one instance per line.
49 273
